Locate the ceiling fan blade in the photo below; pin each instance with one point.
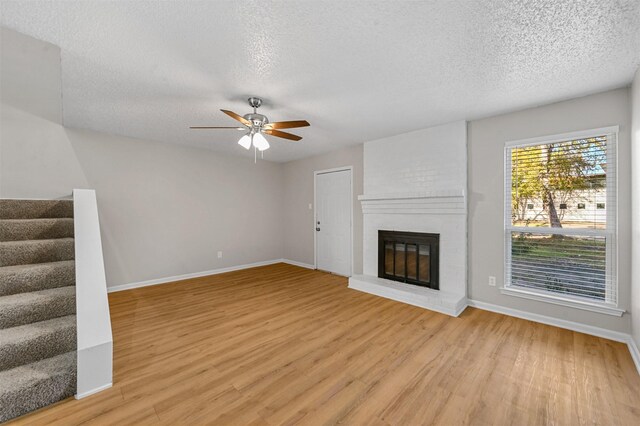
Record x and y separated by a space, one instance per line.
287 124
279 134
237 117
217 127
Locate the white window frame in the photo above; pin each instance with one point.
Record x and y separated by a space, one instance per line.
610 305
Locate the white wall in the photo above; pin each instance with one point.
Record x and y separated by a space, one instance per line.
635 196
165 209
486 140
298 194
431 159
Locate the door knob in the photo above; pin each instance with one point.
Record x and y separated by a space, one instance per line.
318 229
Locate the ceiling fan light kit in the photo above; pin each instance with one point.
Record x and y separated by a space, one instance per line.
256 125
245 142
260 142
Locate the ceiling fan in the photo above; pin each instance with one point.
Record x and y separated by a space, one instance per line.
255 125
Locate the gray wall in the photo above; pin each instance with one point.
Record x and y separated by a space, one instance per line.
165 209
31 77
486 140
298 194
635 196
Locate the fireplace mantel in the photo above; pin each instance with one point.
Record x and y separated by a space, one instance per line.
432 202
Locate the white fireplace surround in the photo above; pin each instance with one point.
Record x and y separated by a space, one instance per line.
416 182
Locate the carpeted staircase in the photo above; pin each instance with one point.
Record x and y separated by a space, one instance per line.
37 305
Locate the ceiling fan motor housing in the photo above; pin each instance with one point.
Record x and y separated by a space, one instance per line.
258 120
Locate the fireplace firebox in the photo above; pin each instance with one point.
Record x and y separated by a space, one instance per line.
409 257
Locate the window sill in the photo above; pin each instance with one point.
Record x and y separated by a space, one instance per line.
563 301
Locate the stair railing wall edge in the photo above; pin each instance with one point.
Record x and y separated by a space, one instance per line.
95 339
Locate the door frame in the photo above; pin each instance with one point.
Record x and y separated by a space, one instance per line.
315 212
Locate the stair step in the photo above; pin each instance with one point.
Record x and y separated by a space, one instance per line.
35 229
35 209
26 308
40 276
29 387
40 340
36 251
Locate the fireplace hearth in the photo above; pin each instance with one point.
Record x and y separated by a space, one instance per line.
409 257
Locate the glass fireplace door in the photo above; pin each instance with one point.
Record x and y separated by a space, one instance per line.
408 257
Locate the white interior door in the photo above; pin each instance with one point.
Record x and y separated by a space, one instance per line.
333 222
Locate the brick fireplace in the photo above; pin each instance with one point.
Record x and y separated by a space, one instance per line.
416 183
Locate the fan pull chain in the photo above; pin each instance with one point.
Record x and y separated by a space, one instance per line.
255 155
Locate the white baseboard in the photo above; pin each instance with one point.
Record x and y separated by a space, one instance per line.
93 391
296 263
171 279
166 280
569 325
635 352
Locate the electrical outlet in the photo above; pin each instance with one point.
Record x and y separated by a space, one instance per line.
219 255
492 281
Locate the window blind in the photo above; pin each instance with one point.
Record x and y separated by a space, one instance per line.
560 217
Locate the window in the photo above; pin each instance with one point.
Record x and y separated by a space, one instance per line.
530 206
564 251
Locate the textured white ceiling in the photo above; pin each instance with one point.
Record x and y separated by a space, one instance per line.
355 70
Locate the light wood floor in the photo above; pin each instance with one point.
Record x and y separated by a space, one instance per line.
282 345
